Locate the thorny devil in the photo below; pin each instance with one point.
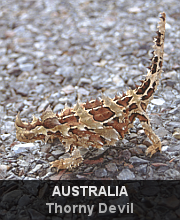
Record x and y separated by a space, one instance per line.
99 122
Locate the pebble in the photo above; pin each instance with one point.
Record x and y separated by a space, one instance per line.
126 174
111 167
36 168
57 152
23 163
172 174
5 136
162 132
58 107
26 67
134 10
158 101
22 59
15 71
142 169
68 89
136 160
43 106
176 134
20 148
100 172
78 59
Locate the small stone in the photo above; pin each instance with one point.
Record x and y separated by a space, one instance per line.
156 119
126 174
8 127
38 54
4 168
118 80
5 136
16 71
132 135
2 51
21 60
57 152
65 71
40 88
83 91
109 157
161 132
173 148
26 67
98 153
102 63
58 107
141 53
134 10
174 124
20 148
100 172
78 59
158 101
21 88
88 169
36 168
51 158
136 160
172 174
43 106
84 81
111 167
142 169
175 111
164 148
23 163
176 134
125 154
137 150
170 74
68 89
130 82
49 69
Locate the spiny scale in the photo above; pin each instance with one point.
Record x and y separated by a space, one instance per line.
99 122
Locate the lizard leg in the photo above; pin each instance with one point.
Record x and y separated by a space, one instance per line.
67 163
153 137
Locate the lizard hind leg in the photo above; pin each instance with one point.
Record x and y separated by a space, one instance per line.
153 137
67 163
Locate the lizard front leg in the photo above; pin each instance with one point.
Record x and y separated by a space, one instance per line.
153 137
67 163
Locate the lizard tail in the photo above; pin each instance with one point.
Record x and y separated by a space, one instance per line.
148 87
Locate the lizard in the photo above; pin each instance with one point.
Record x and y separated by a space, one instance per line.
102 121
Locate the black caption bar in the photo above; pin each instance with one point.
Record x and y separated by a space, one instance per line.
45 200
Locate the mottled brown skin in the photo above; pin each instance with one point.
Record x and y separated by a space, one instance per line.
99 122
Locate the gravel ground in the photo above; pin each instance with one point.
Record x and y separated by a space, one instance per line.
54 52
